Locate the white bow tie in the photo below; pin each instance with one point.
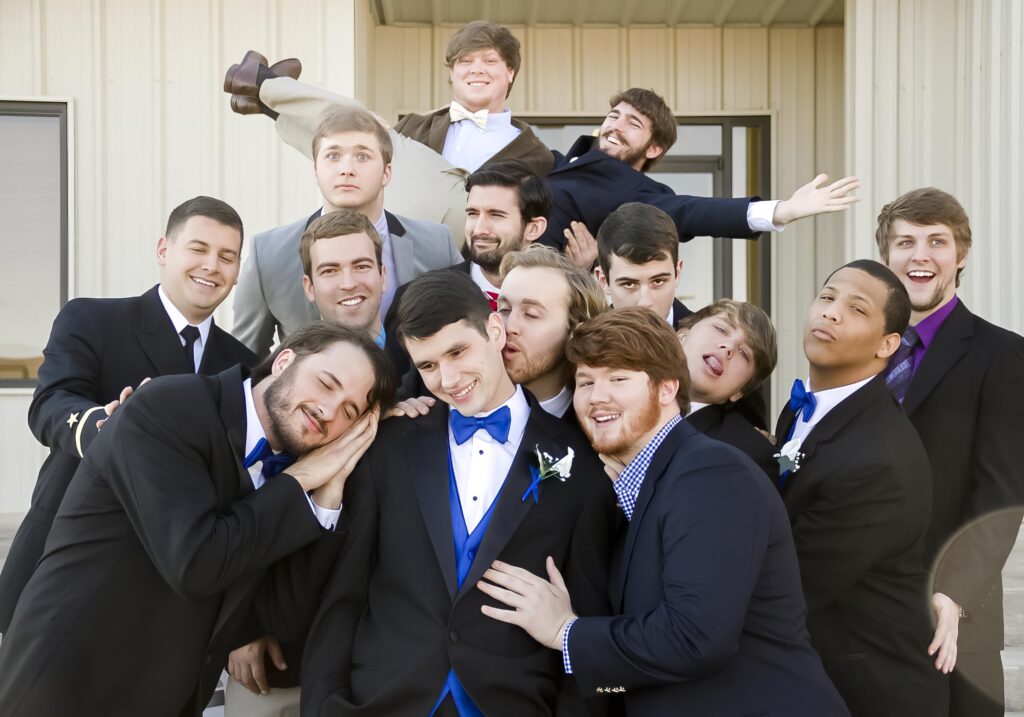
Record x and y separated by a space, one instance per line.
457 112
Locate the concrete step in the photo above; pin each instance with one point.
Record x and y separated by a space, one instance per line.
1013 678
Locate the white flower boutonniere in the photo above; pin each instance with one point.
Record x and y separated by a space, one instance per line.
548 467
789 457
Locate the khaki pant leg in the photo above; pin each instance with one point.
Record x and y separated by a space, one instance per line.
278 702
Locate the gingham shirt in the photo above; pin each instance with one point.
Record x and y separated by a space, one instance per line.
627 488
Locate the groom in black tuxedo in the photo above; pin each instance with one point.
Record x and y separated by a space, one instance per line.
432 504
99 349
174 517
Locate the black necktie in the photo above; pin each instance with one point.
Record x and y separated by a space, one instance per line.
191 334
901 365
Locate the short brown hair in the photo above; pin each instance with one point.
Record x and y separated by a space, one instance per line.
480 35
755 325
353 119
923 207
321 335
209 207
337 224
638 233
586 299
663 123
634 339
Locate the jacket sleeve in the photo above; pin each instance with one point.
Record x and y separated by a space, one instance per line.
157 462
704 216
254 324
327 660
974 564
713 539
66 403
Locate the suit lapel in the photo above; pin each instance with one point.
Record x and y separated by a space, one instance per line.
659 462
874 390
428 442
950 343
511 508
214 359
403 250
705 418
228 393
439 124
158 339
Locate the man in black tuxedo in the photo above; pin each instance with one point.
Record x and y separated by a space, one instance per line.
172 519
543 298
730 350
99 349
954 375
432 504
599 174
707 592
855 480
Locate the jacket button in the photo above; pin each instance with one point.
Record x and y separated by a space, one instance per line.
453 636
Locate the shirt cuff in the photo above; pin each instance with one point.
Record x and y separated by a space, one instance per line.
327 517
760 215
566 662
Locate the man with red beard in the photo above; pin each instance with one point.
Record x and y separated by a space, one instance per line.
711 618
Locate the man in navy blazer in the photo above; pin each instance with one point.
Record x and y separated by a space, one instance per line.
706 586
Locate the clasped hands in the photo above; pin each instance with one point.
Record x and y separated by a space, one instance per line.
323 471
541 607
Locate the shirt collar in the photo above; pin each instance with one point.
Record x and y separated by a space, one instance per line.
519 412
253 428
477 275
697 405
929 326
636 469
179 320
557 405
381 225
499 121
828 399
381 337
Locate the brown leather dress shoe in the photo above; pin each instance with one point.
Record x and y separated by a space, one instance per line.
246 105
243 78
287 68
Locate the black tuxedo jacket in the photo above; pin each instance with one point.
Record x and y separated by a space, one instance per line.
392 622
707 591
432 130
964 401
859 506
587 185
154 557
96 348
726 423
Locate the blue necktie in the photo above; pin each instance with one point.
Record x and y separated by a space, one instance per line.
802 400
900 370
273 463
496 423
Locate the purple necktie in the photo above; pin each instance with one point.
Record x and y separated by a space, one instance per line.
901 365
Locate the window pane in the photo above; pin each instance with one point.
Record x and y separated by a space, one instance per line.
30 239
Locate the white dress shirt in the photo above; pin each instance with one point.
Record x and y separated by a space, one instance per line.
477 275
468 147
760 214
696 406
825 401
481 463
253 433
558 404
180 322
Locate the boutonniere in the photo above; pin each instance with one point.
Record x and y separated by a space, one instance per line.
789 457
548 467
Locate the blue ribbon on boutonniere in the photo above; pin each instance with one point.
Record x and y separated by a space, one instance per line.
546 468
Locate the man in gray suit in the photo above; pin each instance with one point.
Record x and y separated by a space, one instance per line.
352 165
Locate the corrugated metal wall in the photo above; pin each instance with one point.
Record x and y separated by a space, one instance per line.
936 97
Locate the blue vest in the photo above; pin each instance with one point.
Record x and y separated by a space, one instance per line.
466 545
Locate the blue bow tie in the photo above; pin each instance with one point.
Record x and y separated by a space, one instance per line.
800 399
273 463
497 423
